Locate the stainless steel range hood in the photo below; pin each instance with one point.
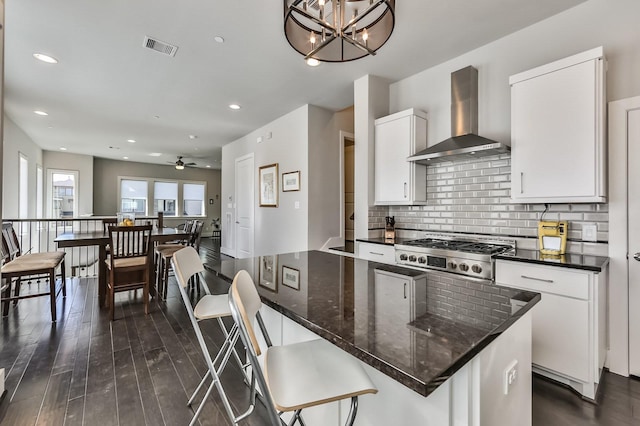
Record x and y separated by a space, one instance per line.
464 143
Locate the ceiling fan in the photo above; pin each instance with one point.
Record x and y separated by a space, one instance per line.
180 165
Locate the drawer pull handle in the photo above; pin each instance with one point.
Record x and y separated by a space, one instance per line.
536 279
379 254
405 290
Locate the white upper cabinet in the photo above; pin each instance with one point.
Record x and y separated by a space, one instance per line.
398 136
557 131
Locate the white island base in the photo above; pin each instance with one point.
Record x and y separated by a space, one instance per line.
473 396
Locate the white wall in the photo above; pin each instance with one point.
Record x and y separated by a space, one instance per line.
612 24
371 101
324 172
15 142
285 228
84 165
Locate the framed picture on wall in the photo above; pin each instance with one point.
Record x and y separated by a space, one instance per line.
269 185
291 277
291 181
268 272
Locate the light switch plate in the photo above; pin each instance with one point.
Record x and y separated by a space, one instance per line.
589 232
510 376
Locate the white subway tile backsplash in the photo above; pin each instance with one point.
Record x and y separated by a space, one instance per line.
473 196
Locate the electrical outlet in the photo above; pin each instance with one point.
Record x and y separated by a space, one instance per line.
589 232
510 376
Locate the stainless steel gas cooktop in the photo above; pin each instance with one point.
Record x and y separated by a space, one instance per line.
471 257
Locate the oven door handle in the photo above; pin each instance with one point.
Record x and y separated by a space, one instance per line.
459 276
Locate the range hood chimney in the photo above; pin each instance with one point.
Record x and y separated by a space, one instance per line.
464 142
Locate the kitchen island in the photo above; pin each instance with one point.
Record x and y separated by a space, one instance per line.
439 347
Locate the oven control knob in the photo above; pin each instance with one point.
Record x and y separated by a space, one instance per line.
464 267
422 259
453 265
403 256
476 268
412 258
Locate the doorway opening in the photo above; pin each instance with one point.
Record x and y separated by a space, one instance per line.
347 193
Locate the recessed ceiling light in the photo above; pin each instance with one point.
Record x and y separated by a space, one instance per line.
62 148
40 112
155 154
126 158
235 106
193 136
45 58
131 140
156 116
207 166
50 127
219 39
313 62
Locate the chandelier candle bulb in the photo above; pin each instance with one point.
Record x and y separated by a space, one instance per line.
341 31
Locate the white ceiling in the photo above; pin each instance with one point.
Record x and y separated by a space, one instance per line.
107 88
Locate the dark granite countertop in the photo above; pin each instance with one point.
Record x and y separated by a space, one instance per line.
584 262
381 240
418 327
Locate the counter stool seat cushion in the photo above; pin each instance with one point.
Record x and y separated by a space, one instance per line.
310 373
127 262
212 306
34 262
161 247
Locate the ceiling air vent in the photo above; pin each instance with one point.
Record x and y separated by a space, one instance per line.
160 46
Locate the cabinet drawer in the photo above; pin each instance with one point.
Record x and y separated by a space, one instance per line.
544 279
377 252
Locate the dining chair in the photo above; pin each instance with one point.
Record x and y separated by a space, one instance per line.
164 253
298 375
188 266
30 266
129 262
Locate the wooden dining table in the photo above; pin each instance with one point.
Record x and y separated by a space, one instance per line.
101 239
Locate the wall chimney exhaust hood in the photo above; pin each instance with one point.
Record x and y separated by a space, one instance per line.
464 142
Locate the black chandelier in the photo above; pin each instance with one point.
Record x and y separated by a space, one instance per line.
338 30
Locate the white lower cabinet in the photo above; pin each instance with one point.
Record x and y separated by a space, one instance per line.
382 253
568 333
473 395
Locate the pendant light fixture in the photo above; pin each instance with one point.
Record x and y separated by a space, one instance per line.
338 30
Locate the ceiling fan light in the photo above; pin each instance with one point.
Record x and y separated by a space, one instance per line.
179 167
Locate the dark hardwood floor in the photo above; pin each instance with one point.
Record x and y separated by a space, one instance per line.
140 369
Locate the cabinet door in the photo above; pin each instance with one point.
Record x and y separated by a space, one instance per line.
561 336
392 170
553 133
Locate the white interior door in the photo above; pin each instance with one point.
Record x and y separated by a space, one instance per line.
244 206
633 144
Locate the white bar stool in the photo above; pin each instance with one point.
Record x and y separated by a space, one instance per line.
299 375
186 265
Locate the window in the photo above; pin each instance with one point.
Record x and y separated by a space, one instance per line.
63 202
173 198
133 196
23 188
165 198
193 194
39 191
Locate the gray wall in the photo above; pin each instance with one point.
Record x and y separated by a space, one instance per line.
105 184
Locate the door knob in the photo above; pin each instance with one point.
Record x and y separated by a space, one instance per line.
637 257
